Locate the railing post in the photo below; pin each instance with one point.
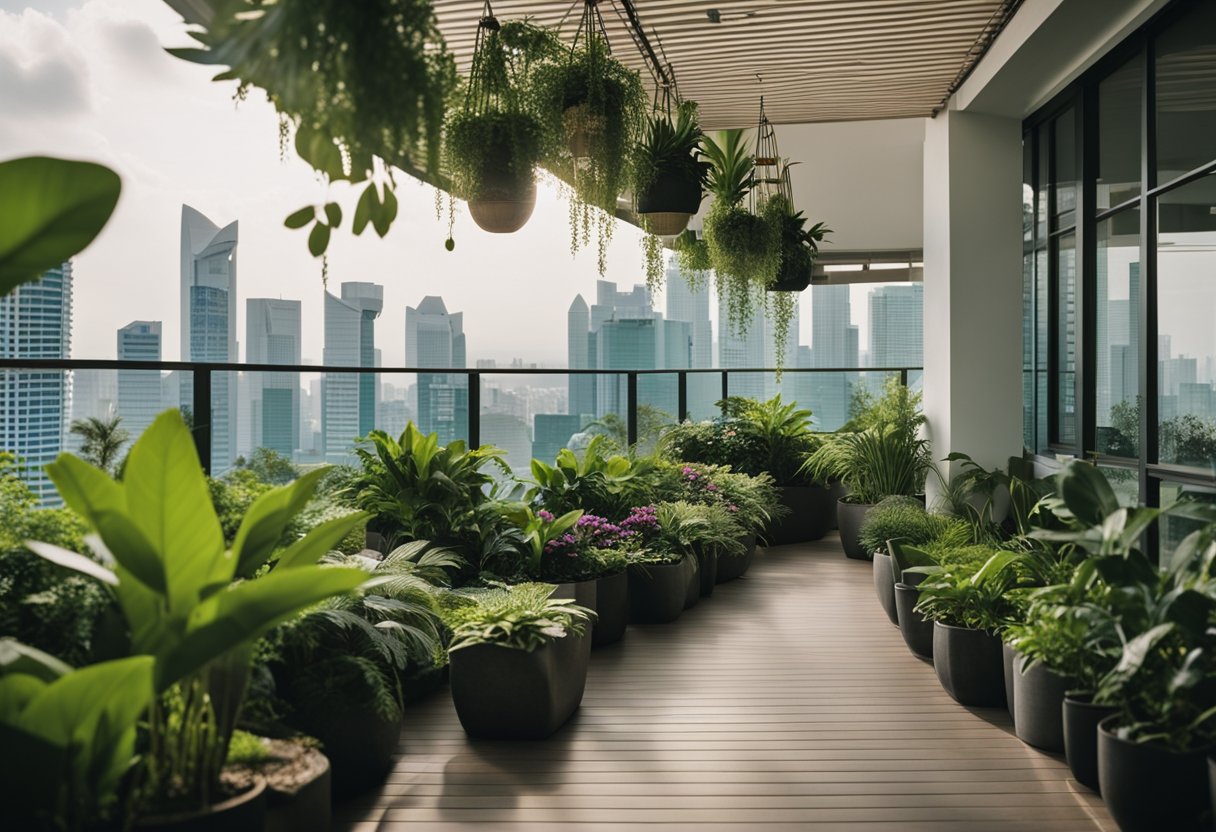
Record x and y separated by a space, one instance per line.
903 376
631 394
201 415
682 395
725 389
474 410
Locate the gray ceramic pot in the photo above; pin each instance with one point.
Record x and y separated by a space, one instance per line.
969 666
1038 705
1148 788
1007 654
730 568
915 628
657 591
1081 718
884 584
850 516
809 509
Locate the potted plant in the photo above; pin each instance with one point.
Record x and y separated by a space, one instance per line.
966 601
518 659
707 532
916 629
906 520
885 458
598 106
194 604
659 582
297 775
668 174
799 247
744 247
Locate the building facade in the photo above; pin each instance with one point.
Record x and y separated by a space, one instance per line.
434 338
272 336
348 400
139 391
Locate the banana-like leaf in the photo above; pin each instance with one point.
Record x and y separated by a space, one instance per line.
16 657
1087 494
72 560
321 540
264 523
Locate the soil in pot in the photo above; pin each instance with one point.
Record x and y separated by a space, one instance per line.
298 786
969 665
612 609
1081 717
1148 788
1007 657
508 694
850 516
884 585
730 567
915 628
657 591
1038 697
243 810
707 567
809 509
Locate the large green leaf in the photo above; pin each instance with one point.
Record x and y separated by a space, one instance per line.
71 708
16 657
87 490
245 611
266 520
72 560
50 210
320 541
1087 493
168 499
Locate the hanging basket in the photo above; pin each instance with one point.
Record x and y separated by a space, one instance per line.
793 277
504 205
670 201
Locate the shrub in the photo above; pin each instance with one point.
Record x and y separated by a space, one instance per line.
905 519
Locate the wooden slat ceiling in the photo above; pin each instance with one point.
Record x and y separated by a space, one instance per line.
819 60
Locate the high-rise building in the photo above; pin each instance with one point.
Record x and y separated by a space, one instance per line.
139 391
36 322
348 400
272 336
897 326
690 305
742 349
208 323
834 343
578 355
434 338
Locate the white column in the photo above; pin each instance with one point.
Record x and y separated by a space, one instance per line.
973 286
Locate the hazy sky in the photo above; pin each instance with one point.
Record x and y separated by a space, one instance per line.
90 80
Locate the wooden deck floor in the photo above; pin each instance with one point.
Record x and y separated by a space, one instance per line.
785 701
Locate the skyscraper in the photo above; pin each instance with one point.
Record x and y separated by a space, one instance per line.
578 357
139 391
692 306
272 336
746 349
434 338
897 325
833 344
208 322
36 322
348 400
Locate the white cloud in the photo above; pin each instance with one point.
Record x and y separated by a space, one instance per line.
41 71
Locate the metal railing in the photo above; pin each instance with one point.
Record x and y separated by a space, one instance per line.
201 374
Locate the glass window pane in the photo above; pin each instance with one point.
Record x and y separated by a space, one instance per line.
1065 144
1125 482
1042 295
1044 144
1186 314
1174 529
1119 106
1028 350
1066 335
1186 93
1117 334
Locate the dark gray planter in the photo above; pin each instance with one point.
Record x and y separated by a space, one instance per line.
657 591
836 493
884 585
359 744
1007 656
507 694
1148 788
1038 697
969 666
707 569
1081 718
244 813
850 516
611 609
692 592
808 516
915 628
306 807
736 566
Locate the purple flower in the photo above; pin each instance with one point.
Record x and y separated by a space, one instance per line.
545 515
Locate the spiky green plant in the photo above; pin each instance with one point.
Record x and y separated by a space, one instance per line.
519 616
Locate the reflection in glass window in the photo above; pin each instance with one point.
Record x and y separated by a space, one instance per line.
1125 482
1174 529
1186 314
1041 338
1119 108
1186 93
1065 208
1066 344
1117 334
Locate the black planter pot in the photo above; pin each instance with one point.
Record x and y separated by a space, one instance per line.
836 493
245 812
969 665
1148 788
809 509
1081 718
670 201
1007 657
302 807
884 585
731 567
915 628
657 591
850 516
507 694
1038 697
612 609
692 592
707 563
791 278
359 744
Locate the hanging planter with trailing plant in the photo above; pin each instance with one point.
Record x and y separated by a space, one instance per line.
799 247
492 144
743 246
591 109
668 174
